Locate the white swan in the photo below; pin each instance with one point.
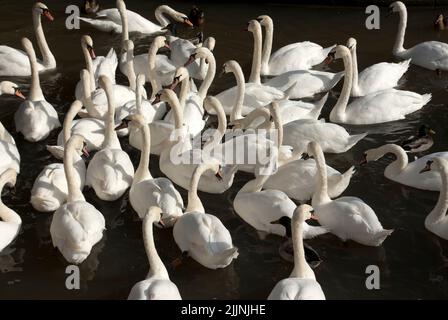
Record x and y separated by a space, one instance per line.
437 220
110 172
179 164
10 221
377 77
14 62
431 55
261 207
200 235
50 188
349 218
157 285
77 225
405 172
147 191
301 284
109 20
378 107
35 117
295 56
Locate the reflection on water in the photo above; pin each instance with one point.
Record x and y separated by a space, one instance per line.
413 262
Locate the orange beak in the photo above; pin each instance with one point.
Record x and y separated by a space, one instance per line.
92 53
48 15
188 22
19 94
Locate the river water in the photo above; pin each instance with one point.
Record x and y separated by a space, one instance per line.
413 262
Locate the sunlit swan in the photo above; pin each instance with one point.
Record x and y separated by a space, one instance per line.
437 220
10 221
50 189
295 56
378 107
110 171
405 172
179 164
295 83
109 20
377 77
157 285
431 55
200 235
147 191
301 284
14 62
77 225
35 117
261 207
349 218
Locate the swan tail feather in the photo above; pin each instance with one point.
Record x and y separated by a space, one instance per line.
313 232
227 256
381 236
426 98
354 139
56 151
315 112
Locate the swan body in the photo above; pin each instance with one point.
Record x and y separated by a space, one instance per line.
301 284
432 55
157 285
10 221
437 221
77 225
201 235
14 62
90 128
346 217
377 77
35 117
378 107
405 172
110 172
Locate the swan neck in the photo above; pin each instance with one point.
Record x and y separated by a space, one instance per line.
142 172
110 138
239 99
157 268
155 86
439 211
89 67
36 93
401 161
124 23
47 57
184 90
355 84
74 190
256 184
131 71
256 58
6 214
321 193
338 111
220 131
194 202
267 46
203 89
67 126
301 267
399 40
160 12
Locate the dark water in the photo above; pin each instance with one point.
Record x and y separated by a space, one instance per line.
413 262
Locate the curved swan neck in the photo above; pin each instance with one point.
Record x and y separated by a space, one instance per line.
355 85
155 86
401 162
255 114
194 202
222 125
267 46
399 40
47 57
110 137
338 111
301 267
160 14
71 114
6 214
142 172
321 191
36 91
241 90
74 190
89 66
156 266
203 89
256 184
441 207
256 58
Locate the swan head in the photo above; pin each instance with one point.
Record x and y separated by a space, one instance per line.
199 53
210 43
8 87
121 5
136 120
153 215
302 213
87 42
78 143
438 163
265 20
313 150
42 9
253 26
128 46
351 43
397 6
372 155
180 75
230 66
160 42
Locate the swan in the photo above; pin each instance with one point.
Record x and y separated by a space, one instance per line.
301 284
349 218
157 285
406 173
378 107
295 56
432 55
296 83
10 221
377 77
147 191
50 189
260 207
109 20
110 172
179 164
35 117
77 225
437 221
14 62
200 235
